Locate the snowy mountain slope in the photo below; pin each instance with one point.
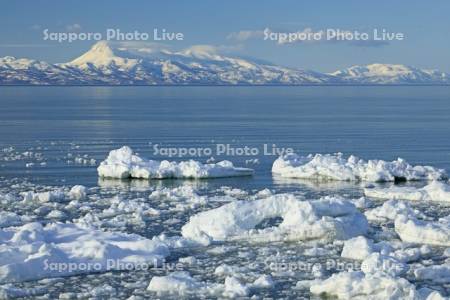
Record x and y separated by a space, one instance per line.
391 74
105 64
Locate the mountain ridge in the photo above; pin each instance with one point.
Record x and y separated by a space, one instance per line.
104 64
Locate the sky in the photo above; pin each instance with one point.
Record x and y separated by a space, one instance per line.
236 28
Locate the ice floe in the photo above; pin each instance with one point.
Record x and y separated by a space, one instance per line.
182 283
357 248
122 163
358 285
327 218
390 210
413 230
337 167
435 191
438 274
34 251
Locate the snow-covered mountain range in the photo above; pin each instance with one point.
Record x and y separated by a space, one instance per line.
105 64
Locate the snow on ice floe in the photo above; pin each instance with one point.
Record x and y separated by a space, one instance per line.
435 191
412 230
34 251
182 283
390 210
336 167
327 218
357 285
122 163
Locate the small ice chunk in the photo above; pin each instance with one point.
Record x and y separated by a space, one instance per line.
263 281
234 288
49 196
56 214
122 163
390 210
336 167
78 192
357 248
177 282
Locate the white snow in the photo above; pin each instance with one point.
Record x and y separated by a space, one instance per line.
49 196
327 218
33 251
122 163
390 210
435 191
389 74
102 55
413 230
78 192
264 281
182 283
234 288
336 167
357 285
357 248
177 282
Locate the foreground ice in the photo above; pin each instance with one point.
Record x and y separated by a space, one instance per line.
122 163
435 191
327 218
380 277
33 251
336 167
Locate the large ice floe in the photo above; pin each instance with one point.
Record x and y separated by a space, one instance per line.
337 167
33 251
122 163
327 218
435 191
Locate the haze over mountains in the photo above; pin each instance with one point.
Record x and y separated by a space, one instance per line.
105 64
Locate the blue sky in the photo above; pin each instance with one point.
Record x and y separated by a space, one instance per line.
425 24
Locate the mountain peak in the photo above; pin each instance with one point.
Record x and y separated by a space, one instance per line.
102 47
102 55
